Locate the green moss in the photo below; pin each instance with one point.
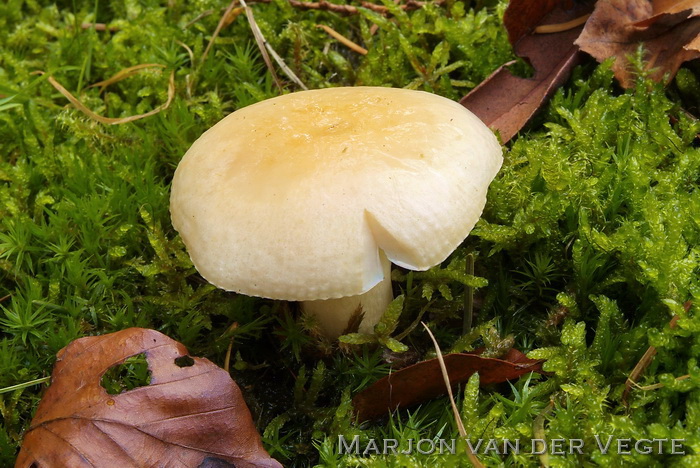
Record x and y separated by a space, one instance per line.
587 247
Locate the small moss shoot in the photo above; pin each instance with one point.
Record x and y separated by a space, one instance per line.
130 374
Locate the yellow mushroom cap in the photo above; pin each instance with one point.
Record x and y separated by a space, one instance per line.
293 197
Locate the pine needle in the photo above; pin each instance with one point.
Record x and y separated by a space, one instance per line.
265 47
342 39
25 385
458 419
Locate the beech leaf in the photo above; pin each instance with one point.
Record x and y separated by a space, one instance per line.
191 413
423 381
506 102
668 30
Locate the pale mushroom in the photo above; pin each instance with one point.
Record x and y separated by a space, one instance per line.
309 196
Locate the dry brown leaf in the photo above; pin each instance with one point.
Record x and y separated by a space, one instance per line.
423 381
671 11
521 17
506 102
668 30
191 416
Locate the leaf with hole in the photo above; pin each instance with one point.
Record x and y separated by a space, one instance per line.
136 398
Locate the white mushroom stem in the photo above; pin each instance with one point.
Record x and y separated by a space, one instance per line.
333 315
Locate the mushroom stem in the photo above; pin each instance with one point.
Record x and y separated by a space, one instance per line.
333 315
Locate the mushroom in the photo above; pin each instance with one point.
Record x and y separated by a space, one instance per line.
309 196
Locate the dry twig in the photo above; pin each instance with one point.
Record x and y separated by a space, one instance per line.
658 385
109 120
342 39
125 73
645 361
352 10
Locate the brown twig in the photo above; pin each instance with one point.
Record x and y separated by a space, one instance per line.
125 73
645 361
660 385
4 298
352 10
342 39
108 120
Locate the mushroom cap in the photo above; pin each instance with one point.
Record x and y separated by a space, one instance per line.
292 198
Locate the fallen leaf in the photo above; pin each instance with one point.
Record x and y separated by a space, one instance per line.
188 416
423 381
506 102
671 12
521 17
669 31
